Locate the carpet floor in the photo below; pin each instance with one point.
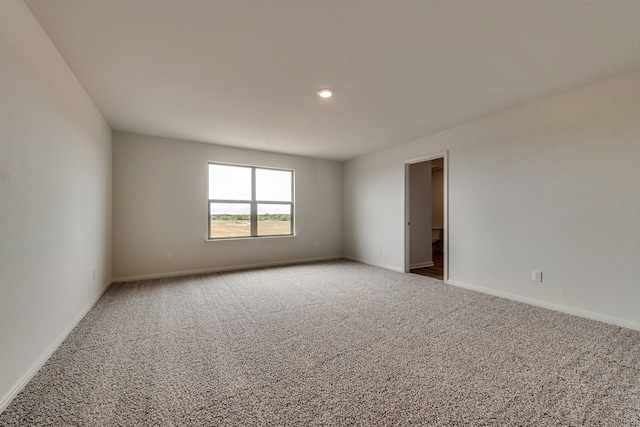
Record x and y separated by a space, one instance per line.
332 343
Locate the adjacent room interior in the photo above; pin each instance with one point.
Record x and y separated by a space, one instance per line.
428 212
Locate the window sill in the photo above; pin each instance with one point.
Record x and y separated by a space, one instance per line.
252 238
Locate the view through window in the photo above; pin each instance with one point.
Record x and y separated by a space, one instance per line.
248 201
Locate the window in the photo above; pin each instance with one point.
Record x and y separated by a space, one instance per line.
247 201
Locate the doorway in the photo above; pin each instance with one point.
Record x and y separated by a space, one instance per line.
426 225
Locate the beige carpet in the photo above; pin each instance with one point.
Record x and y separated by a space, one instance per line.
334 343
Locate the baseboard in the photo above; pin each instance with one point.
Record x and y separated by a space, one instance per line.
422 265
551 306
22 382
373 263
219 269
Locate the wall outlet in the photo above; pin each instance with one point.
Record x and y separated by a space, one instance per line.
536 276
167 256
317 245
379 249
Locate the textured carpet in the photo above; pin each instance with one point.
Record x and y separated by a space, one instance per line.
334 343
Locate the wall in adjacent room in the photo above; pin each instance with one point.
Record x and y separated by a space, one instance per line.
551 186
437 198
55 199
160 205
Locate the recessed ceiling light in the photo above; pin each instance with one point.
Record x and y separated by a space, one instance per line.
325 93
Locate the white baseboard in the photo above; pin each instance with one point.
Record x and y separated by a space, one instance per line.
218 269
22 382
549 305
375 264
422 265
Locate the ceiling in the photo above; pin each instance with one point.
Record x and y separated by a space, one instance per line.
245 72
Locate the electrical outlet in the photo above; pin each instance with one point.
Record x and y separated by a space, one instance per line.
536 276
167 256
317 245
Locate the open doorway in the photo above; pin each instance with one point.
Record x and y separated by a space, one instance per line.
426 216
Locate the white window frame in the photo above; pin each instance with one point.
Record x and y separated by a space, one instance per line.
253 204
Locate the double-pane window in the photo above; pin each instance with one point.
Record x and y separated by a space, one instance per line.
247 201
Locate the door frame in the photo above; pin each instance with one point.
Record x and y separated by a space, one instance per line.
445 205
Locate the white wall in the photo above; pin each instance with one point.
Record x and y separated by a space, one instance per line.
160 205
552 185
55 198
437 198
420 215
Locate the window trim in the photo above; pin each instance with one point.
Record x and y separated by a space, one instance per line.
253 204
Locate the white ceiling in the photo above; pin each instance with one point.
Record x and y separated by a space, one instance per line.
245 72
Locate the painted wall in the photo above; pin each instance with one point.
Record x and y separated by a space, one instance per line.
437 198
160 205
420 214
551 185
55 198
